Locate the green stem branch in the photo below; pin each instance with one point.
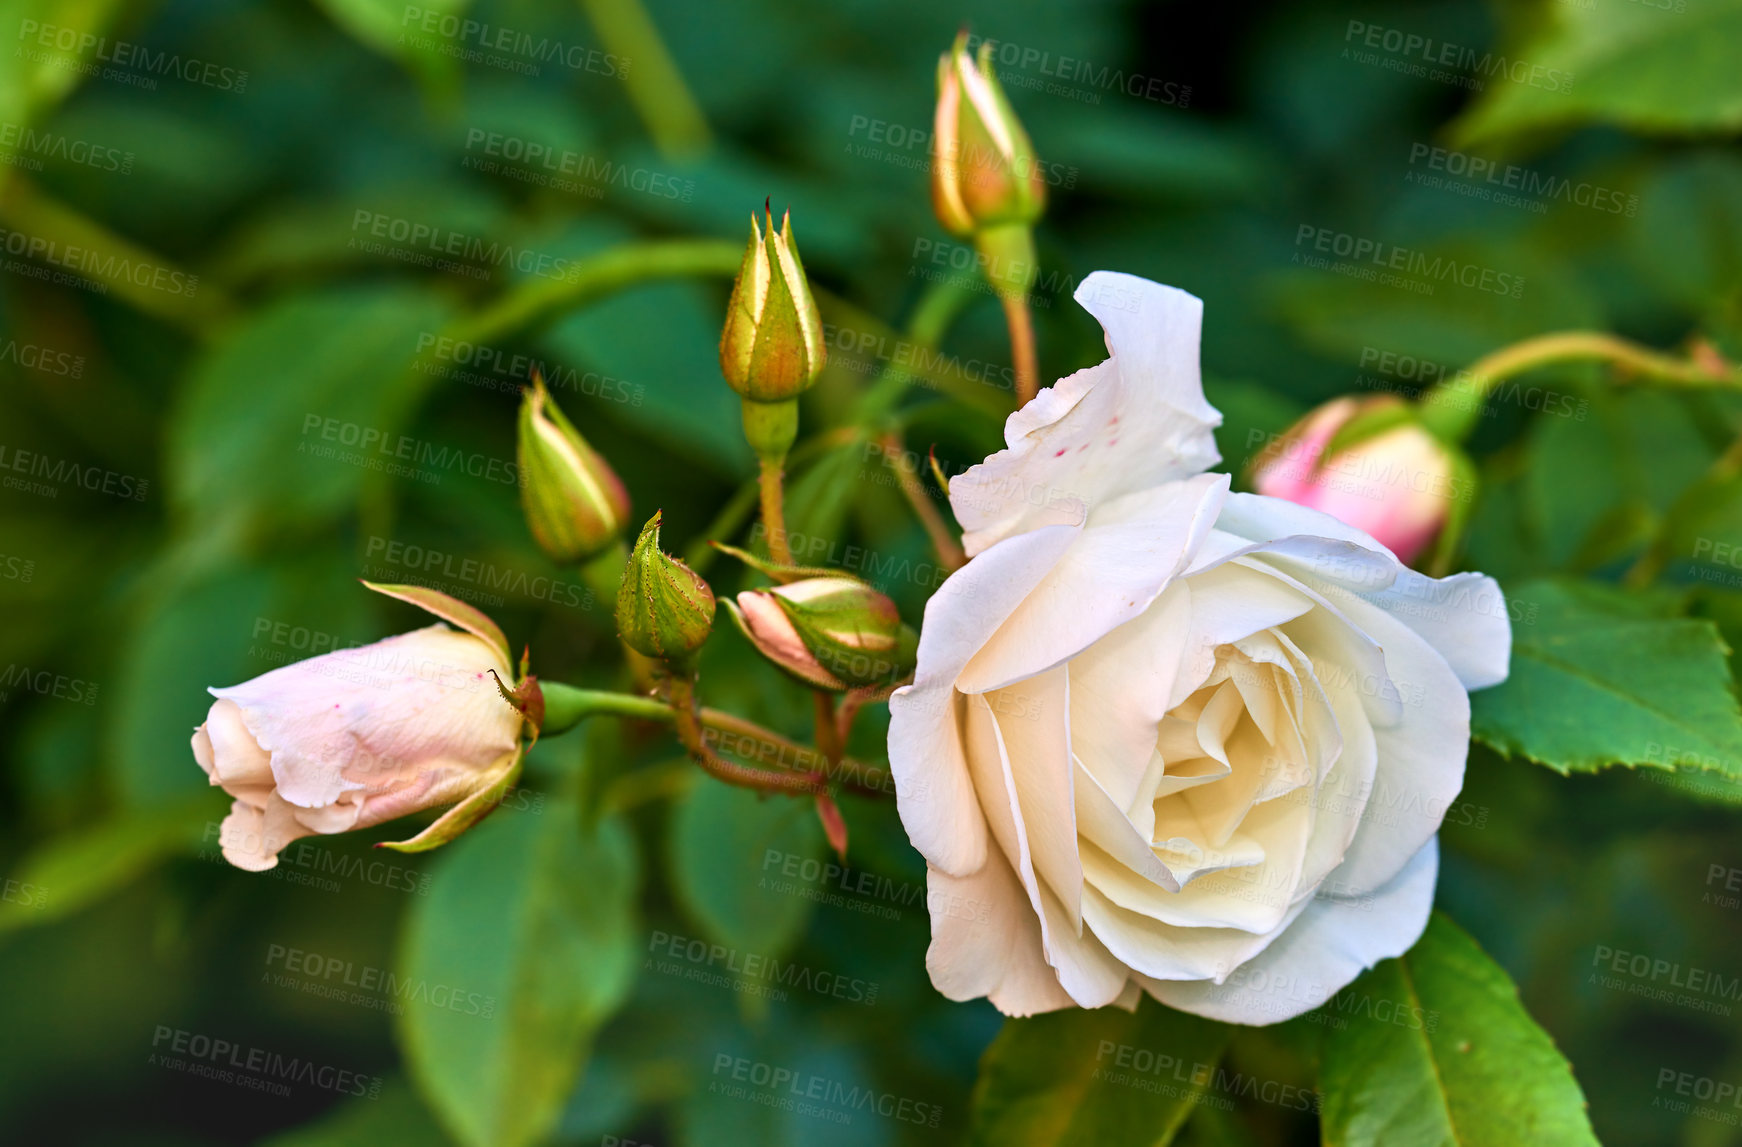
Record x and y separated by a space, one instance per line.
1452 408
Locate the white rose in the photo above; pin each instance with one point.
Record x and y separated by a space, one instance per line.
355 737
1168 738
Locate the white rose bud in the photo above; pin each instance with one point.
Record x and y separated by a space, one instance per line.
357 737
1163 738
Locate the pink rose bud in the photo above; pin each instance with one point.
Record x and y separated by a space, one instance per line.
829 632
357 737
1369 464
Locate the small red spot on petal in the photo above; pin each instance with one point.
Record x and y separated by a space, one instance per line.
1113 443
1060 454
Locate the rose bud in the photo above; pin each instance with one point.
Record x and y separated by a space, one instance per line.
771 349
664 608
986 174
359 736
575 504
829 632
1369 464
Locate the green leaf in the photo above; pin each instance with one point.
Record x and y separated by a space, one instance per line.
1597 679
729 852
289 410
531 921
382 25
27 84
76 869
1438 1050
1660 67
1079 1077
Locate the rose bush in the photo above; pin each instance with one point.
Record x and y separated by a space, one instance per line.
1167 738
355 737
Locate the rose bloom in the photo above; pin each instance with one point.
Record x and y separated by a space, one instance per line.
1167 738
353 738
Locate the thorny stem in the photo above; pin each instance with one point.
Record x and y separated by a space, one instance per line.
682 693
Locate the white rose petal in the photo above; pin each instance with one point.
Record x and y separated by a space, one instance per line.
1166 737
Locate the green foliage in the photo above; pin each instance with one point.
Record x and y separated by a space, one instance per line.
1438 1050
1658 67
1600 677
1190 147
729 850
523 949
1079 1077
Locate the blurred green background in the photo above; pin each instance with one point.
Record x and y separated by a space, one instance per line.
274 271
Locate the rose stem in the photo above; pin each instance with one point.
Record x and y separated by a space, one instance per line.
1021 344
949 551
773 515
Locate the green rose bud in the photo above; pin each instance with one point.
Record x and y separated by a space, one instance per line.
575 504
771 349
664 608
829 632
